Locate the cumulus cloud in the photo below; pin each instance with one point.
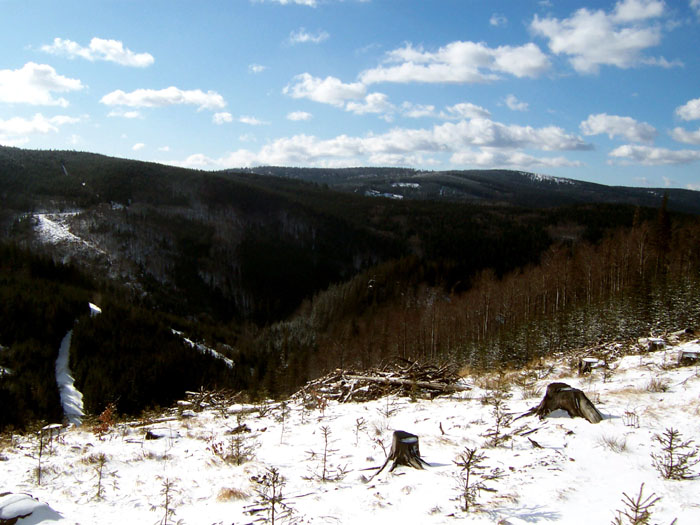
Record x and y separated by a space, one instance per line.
502 144
685 136
466 110
14 131
125 114
616 126
138 146
99 49
256 68
690 110
516 105
490 158
458 62
372 103
497 20
651 156
695 6
595 38
149 98
35 84
251 121
636 10
302 36
410 110
299 115
310 3
329 90
222 118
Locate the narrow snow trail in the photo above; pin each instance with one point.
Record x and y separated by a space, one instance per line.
71 398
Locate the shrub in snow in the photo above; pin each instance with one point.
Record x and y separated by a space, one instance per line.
676 458
637 511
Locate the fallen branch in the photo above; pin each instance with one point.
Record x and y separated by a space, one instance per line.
442 387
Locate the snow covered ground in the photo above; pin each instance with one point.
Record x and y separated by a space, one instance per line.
54 229
559 470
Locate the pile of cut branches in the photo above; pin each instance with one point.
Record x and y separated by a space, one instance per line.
403 378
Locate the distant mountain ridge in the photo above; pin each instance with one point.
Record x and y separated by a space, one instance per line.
518 188
253 244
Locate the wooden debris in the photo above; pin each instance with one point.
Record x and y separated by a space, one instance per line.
402 379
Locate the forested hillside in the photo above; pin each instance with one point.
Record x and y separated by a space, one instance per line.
289 278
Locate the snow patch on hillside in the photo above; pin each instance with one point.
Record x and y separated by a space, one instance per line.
205 349
537 177
71 398
54 229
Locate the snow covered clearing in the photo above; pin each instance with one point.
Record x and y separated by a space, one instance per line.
218 465
53 228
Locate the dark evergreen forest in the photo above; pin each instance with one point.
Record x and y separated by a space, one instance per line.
290 279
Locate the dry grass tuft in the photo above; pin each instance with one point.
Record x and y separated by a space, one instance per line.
658 385
229 494
617 444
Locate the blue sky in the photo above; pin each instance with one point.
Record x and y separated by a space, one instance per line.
602 91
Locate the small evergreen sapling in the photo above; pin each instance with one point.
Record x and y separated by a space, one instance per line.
472 478
676 457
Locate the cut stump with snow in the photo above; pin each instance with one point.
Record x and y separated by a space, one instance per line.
405 450
564 397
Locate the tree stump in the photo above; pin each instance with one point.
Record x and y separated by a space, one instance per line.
572 400
405 450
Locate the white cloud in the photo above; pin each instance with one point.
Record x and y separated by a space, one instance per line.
35 84
458 62
685 136
329 90
497 20
302 36
516 105
490 158
594 38
138 146
256 68
496 141
222 118
251 121
299 115
14 131
164 148
635 10
410 110
690 110
695 6
310 3
125 114
148 98
467 110
616 126
99 49
372 103
650 156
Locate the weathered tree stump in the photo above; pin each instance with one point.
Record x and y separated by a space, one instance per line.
564 397
405 450
688 357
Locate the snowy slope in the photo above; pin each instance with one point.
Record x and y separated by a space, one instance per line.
563 471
